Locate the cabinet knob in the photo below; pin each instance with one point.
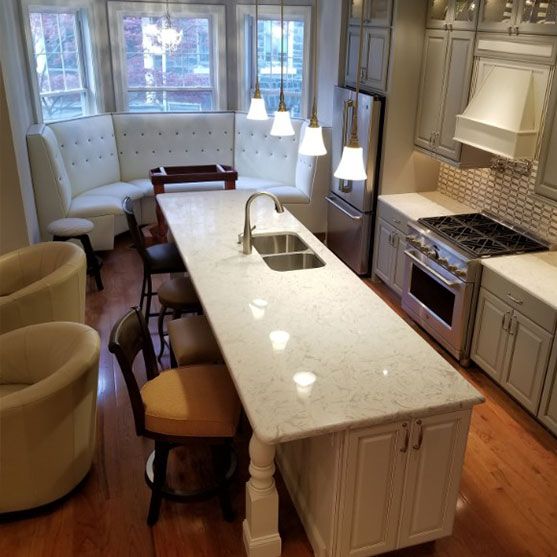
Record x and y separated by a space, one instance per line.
510 29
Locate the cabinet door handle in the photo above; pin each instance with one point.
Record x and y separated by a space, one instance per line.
514 325
406 438
506 321
515 300
446 26
450 26
516 30
510 29
417 446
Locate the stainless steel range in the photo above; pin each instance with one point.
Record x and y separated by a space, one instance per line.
443 272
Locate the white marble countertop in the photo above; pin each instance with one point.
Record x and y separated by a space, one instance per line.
369 366
425 204
535 273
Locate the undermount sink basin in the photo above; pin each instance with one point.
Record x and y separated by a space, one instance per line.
285 242
294 261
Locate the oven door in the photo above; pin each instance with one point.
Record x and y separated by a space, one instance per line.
437 300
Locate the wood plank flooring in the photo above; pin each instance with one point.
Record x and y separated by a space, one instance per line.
507 505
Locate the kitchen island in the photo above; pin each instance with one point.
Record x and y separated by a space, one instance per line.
360 405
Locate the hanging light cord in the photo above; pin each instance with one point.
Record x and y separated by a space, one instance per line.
354 141
257 92
314 123
282 104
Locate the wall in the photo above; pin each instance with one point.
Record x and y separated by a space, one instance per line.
403 168
503 194
13 230
17 98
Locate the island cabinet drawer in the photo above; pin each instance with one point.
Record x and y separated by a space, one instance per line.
401 483
392 216
535 309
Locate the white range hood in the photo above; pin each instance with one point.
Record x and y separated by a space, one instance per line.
505 111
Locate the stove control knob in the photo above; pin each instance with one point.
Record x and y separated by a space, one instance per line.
442 261
428 251
452 268
461 273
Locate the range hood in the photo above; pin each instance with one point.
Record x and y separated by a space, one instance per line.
504 114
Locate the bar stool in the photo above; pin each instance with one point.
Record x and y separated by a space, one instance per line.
192 342
177 295
73 228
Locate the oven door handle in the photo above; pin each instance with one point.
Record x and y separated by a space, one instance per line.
430 270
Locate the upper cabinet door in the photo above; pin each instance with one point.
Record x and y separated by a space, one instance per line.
498 15
377 13
452 14
438 14
431 87
538 17
458 73
465 15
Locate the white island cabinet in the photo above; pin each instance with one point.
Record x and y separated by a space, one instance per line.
328 376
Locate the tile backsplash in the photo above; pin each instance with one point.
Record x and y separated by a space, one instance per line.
506 195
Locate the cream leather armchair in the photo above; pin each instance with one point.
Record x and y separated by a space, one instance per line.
40 283
48 394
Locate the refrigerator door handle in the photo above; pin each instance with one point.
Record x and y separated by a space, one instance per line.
353 217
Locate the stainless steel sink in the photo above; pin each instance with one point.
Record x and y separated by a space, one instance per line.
286 242
294 261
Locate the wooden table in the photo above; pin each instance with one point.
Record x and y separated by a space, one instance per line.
163 175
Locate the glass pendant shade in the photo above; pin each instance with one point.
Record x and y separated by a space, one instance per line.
257 110
351 166
313 145
282 125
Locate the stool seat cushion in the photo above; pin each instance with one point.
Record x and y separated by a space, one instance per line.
196 401
70 227
193 342
165 258
178 293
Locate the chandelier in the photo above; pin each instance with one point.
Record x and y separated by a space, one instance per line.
168 36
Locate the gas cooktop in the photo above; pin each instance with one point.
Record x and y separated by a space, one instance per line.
482 236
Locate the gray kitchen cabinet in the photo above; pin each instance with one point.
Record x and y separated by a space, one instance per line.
378 13
452 14
375 57
548 406
490 333
390 243
526 360
516 17
510 347
444 88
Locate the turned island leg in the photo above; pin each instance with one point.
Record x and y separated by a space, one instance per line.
261 537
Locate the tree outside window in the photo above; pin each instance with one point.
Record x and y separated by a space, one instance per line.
159 80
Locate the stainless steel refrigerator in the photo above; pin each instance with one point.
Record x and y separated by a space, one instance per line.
350 204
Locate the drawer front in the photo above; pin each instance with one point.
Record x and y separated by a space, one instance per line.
524 302
392 216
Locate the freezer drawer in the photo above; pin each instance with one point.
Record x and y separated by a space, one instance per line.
349 234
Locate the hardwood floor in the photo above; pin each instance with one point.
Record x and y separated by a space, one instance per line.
507 504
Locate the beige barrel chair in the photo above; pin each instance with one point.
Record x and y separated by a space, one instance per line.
40 283
48 395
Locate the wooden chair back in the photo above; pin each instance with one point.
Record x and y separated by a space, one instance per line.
135 229
130 336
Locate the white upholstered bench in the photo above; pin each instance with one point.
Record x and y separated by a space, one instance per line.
85 167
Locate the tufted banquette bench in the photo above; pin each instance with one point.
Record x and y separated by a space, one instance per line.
85 167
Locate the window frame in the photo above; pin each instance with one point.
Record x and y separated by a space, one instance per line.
246 68
86 44
217 38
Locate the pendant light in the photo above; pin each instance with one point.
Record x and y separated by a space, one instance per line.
312 143
282 125
168 36
257 110
351 166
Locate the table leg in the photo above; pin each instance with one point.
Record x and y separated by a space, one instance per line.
261 536
230 184
160 230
